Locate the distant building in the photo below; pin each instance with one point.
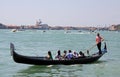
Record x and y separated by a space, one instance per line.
114 27
2 26
118 27
13 27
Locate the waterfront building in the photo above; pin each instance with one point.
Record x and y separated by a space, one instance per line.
114 27
41 26
2 26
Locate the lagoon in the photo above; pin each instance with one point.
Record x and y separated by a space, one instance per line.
37 43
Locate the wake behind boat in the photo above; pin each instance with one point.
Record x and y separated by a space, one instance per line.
34 60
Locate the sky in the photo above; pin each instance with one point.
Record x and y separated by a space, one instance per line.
60 12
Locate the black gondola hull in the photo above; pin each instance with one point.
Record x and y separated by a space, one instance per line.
43 61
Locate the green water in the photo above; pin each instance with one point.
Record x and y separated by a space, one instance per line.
37 43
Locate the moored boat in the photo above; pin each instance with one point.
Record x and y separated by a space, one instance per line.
35 60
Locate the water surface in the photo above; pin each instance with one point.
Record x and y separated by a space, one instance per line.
37 43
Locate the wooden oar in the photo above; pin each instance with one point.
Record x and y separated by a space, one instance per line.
92 47
87 50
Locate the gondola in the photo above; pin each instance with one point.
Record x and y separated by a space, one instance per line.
35 60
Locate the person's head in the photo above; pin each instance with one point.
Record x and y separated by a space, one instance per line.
65 51
59 52
75 52
70 51
80 53
49 52
98 34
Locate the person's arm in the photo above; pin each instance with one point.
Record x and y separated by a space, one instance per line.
102 39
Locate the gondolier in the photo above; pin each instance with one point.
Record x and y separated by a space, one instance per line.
99 39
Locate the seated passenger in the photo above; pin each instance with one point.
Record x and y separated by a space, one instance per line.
70 55
49 56
64 54
81 54
59 57
75 54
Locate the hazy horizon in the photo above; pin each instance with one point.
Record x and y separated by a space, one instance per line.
60 12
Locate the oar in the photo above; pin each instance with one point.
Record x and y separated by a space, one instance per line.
87 50
92 47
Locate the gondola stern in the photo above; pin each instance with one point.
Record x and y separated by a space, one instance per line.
104 50
12 48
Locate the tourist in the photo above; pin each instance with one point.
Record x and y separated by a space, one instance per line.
75 54
81 55
59 57
99 39
64 54
70 55
49 56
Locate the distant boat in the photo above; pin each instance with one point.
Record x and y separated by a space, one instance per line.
35 60
13 30
67 31
79 31
44 31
